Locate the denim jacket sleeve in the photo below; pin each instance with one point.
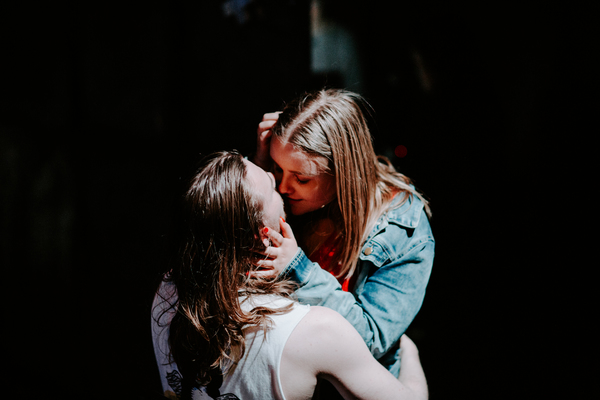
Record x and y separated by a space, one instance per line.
394 269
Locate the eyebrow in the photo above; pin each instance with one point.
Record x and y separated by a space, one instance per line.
299 172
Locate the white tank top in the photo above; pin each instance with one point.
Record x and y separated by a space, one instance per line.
256 375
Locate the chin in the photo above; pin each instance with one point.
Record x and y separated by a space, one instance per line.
300 210
297 209
293 211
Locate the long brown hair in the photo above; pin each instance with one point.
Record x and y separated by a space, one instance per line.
222 217
330 126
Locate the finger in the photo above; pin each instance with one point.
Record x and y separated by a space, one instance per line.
266 125
405 341
256 260
264 136
265 263
268 273
276 238
273 116
286 229
266 242
261 255
270 252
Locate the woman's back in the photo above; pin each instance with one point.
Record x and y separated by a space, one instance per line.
256 375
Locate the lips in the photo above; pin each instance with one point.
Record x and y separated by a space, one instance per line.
292 201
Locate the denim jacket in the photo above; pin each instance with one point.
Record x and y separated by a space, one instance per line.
393 272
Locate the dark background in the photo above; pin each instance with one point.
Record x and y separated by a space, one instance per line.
105 109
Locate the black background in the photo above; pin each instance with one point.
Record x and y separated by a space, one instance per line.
106 108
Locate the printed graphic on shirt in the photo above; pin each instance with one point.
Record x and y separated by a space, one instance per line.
175 380
200 394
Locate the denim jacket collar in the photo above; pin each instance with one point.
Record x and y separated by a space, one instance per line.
407 215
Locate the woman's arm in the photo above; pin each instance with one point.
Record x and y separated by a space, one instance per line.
386 301
325 345
384 307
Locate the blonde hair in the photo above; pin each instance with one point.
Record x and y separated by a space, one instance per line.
331 125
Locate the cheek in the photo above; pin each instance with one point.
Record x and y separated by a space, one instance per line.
327 190
320 194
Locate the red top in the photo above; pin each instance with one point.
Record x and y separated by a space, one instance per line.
323 255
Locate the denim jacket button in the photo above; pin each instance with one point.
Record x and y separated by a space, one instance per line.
368 251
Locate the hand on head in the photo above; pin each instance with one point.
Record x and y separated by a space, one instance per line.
279 253
262 157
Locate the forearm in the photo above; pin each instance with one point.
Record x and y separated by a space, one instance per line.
412 375
317 286
381 313
262 160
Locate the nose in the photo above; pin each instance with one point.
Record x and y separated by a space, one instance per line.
284 185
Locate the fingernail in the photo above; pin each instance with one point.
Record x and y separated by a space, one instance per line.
283 219
266 230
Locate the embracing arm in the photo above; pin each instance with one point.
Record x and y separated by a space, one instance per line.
387 303
325 345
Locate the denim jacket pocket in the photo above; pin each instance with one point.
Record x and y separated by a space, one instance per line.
374 252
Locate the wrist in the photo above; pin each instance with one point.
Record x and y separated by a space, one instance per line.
262 161
297 268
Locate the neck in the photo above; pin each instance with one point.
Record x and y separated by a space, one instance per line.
314 229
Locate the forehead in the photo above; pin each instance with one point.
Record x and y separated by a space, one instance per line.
290 157
257 176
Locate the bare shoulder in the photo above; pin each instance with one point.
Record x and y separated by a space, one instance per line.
311 350
301 360
318 324
316 336
325 320
319 315
321 334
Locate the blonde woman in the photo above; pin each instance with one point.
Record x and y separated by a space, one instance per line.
367 246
